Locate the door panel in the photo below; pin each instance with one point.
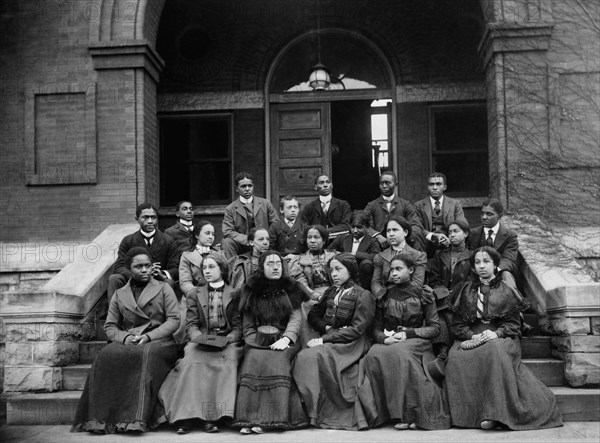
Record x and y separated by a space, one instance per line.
300 149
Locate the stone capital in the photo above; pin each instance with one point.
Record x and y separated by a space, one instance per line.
134 54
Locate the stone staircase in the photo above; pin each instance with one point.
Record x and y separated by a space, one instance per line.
59 407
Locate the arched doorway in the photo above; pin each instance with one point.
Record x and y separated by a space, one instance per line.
345 131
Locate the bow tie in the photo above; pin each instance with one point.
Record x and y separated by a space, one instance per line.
213 289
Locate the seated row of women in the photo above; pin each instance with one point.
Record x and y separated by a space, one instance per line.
357 360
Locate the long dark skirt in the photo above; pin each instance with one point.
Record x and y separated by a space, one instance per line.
267 395
491 383
328 377
396 383
203 385
121 390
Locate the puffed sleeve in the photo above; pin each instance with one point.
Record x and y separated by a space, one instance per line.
361 321
377 287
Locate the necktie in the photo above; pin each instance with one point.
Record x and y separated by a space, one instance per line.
324 205
191 228
290 223
489 240
437 208
148 241
389 206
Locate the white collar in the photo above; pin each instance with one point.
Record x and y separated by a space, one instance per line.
390 198
246 201
494 229
186 223
441 200
400 247
217 285
148 234
326 199
202 249
289 222
354 240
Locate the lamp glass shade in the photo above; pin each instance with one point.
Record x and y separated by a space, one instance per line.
319 77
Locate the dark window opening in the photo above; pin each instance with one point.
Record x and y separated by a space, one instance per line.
196 159
460 148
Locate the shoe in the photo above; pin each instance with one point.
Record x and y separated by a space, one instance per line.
245 431
488 424
183 429
401 426
413 426
257 430
210 427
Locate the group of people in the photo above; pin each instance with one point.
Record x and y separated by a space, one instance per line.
322 317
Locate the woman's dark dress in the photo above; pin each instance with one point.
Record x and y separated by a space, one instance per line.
490 382
122 387
328 376
395 380
267 395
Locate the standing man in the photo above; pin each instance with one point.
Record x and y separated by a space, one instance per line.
388 204
162 248
328 211
183 231
493 233
436 212
244 214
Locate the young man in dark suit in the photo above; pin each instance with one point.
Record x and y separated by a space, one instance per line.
361 245
328 211
493 233
162 248
436 212
389 204
183 230
243 214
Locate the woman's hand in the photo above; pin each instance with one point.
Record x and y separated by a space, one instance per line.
400 336
143 339
315 342
130 340
280 345
391 340
488 335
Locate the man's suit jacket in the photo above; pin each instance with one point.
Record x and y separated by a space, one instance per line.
451 211
367 247
163 250
379 215
337 218
197 314
182 236
506 243
156 313
235 222
286 239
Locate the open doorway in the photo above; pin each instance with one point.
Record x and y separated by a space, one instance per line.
360 148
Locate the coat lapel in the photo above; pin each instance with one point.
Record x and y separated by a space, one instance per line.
150 291
429 212
195 258
500 236
239 208
364 244
348 243
128 301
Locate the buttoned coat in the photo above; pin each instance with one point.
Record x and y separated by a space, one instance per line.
286 239
156 313
451 211
381 275
163 249
235 221
444 281
197 314
506 243
337 218
379 215
367 248
181 235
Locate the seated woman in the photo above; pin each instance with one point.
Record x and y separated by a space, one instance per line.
397 231
121 390
449 269
241 267
190 265
327 373
203 385
270 307
396 377
486 381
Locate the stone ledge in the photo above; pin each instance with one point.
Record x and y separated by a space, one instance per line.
581 369
32 378
38 256
577 343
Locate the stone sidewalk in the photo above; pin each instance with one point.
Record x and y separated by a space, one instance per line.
570 432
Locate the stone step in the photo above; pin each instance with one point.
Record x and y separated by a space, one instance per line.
548 370
59 407
536 347
73 377
88 351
